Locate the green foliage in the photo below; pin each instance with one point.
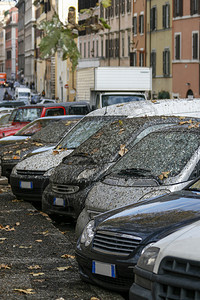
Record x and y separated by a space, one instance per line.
163 95
106 3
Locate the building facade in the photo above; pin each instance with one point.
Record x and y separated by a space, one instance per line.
11 43
21 40
186 60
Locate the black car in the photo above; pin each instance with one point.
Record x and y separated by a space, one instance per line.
111 244
74 177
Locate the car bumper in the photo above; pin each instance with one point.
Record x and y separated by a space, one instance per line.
61 204
29 188
7 167
124 272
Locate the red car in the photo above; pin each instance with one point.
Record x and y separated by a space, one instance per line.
26 114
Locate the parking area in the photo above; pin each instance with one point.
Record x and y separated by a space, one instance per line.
37 258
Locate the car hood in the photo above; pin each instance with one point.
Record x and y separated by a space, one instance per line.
152 217
183 244
105 196
84 172
43 161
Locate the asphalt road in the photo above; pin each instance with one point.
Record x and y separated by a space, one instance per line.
37 258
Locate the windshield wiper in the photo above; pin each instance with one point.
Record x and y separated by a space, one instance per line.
134 171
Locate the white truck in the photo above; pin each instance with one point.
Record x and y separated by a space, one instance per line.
104 86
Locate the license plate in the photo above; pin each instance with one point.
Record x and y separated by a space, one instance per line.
59 202
26 185
103 269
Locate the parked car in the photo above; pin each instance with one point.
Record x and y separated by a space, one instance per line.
34 172
74 177
44 101
112 243
35 98
169 268
156 165
45 136
26 114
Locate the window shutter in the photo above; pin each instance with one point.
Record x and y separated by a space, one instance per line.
181 8
139 24
191 7
174 8
168 63
164 63
164 16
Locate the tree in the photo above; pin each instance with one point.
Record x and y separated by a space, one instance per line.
60 36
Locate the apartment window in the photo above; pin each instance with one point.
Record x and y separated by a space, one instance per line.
195 43
141 59
141 24
107 48
194 7
97 48
102 46
123 7
178 8
135 25
153 18
177 46
166 63
117 47
111 47
128 6
123 45
117 7
133 59
84 50
112 9
153 63
101 11
166 16
88 49
80 48
129 43
8 54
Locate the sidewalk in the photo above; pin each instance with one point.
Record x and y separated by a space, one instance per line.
37 260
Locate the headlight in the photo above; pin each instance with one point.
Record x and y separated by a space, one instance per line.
86 173
49 172
14 170
88 234
148 258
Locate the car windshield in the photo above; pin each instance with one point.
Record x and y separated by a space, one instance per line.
4 119
27 114
33 127
116 99
83 130
53 134
160 153
24 94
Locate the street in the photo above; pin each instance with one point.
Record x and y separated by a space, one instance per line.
37 258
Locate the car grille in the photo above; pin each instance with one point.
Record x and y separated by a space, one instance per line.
180 279
30 173
115 243
65 189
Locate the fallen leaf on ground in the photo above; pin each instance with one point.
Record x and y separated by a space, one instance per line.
68 256
39 241
36 274
36 267
63 268
7 228
3 266
27 291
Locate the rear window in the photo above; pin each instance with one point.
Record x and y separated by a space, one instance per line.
78 110
27 114
55 112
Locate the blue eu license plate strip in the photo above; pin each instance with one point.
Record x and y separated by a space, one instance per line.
103 269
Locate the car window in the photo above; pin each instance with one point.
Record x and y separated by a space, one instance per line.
55 112
4 119
115 99
78 110
27 114
160 152
33 127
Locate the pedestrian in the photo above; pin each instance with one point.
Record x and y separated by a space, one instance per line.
43 93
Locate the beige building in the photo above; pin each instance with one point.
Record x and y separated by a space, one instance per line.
159 45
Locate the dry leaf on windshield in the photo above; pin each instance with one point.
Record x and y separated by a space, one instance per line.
6 267
196 125
63 268
119 105
55 152
122 150
17 224
25 247
181 118
18 152
16 157
153 101
121 130
98 135
7 228
68 256
120 122
27 291
39 241
3 239
94 298
39 144
163 175
185 122
68 123
94 151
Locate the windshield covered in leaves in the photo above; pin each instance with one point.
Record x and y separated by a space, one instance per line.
116 99
160 153
33 127
84 129
113 140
